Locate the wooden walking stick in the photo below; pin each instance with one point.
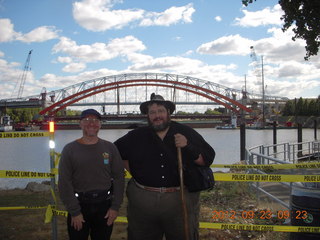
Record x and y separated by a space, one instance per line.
183 202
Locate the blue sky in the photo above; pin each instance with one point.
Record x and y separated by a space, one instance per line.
75 41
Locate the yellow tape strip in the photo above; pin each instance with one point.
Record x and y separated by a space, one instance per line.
235 177
243 227
265 177
24 174
251 227
218 176
60 213
49 214
269 166
21 207
54 171
23 134
222 226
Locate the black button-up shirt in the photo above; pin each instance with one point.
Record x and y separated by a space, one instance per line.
153 162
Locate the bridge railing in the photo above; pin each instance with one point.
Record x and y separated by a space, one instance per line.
283 153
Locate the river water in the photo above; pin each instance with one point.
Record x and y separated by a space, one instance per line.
32 154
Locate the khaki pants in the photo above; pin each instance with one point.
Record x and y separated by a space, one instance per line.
153 215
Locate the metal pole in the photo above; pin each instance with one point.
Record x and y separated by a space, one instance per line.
54 235
263 94
299 140
315 129
242 141
274 137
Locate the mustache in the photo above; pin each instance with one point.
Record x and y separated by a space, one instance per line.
158 118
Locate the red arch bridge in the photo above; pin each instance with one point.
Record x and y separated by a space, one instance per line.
134 88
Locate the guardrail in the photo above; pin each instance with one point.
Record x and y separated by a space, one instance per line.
283 153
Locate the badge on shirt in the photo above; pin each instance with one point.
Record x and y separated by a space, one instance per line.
105 158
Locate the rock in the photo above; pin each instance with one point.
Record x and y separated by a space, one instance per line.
37 187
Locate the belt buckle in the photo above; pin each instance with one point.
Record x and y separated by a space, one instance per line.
163 189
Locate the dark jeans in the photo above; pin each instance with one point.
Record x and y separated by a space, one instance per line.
95 224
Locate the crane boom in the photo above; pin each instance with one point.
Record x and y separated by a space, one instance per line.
259 73
23 77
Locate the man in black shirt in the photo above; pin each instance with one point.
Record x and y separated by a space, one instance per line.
150 155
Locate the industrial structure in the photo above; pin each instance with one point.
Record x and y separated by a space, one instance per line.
134 88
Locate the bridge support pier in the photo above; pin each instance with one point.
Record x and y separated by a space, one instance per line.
242 141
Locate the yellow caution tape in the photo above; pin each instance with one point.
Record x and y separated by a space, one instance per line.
24 174
218 176
49 214
251 227
22 207
122 220
60 213
269 166
265 177
222 226
53 195
23 134
229 177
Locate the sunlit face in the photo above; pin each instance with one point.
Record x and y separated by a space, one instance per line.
90 125
158 117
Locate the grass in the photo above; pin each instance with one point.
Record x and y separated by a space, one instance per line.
227 196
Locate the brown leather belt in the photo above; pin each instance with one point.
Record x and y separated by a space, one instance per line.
160 189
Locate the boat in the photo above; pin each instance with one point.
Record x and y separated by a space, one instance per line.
5 124
6 128
21 127
226 127
233 124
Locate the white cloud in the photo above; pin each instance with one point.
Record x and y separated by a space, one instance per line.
7 32
64 59
40 34
98 51
280 47
10 75
218 18
170 16
267 16
228 45
95 52
74 67
98 15
54 82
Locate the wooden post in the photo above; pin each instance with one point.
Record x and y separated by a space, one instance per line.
299 140
242 141
274 136
315 129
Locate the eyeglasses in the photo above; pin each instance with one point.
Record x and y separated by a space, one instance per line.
90 120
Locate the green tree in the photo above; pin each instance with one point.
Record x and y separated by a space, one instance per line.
304 16
312 107
210 111
288 109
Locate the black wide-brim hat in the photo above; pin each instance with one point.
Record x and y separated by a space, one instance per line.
158 99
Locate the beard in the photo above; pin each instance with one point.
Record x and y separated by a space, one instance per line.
160 127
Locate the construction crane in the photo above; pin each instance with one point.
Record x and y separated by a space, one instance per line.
259 73
23 76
